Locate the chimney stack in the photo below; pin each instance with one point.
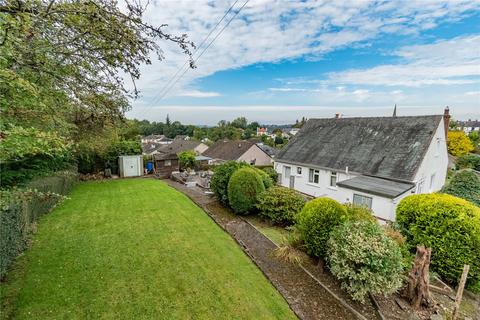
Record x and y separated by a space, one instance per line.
446 120
395 111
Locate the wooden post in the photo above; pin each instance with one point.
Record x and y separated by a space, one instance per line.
417 291
461 285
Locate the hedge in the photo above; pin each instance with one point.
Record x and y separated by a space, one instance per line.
447 224
466 185
364 259
267 181
244 187
221 176
280 205
21 208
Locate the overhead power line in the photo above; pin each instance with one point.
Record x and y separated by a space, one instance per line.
197 48
170 86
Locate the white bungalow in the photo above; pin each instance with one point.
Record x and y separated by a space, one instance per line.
371 161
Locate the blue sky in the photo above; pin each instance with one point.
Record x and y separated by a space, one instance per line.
280 60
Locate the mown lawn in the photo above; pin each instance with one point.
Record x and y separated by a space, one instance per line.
135 249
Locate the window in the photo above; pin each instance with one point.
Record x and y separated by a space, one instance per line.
432 181
286 172
299 170
167 163
313 176
362 201
333 179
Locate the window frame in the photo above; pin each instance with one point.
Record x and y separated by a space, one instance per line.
167 163
333 174
313 174
362 203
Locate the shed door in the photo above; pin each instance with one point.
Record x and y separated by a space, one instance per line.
130 167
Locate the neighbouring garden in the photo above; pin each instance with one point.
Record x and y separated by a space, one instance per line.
135 249
365 257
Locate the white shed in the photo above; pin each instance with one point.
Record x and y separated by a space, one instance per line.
130 166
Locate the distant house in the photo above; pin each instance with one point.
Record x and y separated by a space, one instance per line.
151 148
271 151
469 126
238 150
261 131
371 161
166 157
156 138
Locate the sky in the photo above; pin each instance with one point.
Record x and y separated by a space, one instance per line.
277 60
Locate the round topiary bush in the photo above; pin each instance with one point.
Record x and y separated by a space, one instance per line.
315 222
244 187
364 259
221 176
447 224
280 205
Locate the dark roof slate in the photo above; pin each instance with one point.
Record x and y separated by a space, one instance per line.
178 146
228 149
377 186
390 147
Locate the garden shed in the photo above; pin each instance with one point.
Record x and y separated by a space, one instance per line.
130 166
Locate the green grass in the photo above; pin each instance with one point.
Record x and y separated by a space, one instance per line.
277 234
135 249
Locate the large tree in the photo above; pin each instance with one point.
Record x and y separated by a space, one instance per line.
63 67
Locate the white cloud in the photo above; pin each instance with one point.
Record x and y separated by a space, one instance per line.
448 62
274 30
198 94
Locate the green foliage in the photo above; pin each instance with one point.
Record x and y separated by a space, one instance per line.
21 208
29 152
469 161
315 222
244 188
267 181
221 176
447 224
391 231
458 143
186 159
466 185
364 259
280 205
272 173
356 212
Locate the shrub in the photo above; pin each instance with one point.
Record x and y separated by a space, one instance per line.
447 224
356 212
280 205
466 185
221 176
244 187
272 173
391 231
458 143
267 181
186 159
469 161
315 222
364 259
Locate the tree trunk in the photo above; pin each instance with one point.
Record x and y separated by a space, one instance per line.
417 291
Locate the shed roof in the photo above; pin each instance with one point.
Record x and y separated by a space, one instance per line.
376 186
389 147
228 149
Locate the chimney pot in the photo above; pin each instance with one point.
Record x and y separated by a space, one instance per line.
446 120
337 115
